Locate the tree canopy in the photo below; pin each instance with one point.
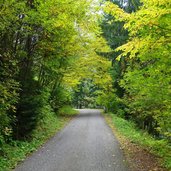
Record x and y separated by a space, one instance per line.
147 78
107 54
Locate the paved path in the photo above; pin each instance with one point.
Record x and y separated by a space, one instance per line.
85 144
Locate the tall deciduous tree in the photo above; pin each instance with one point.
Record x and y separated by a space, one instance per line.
147 80
40 41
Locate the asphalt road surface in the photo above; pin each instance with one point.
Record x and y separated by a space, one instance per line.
85 144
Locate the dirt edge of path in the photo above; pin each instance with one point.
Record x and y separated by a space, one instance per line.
138 158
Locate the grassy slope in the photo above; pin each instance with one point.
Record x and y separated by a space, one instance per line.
128 130
18 150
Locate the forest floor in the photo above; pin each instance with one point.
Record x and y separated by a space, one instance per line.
138 157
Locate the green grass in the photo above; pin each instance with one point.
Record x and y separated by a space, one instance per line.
18 150
160 148
68 110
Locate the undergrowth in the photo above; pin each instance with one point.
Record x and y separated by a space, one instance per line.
16 151
160 148
67 110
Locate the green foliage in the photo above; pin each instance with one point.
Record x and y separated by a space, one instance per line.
107 99
147 77
59 97
128 129
30 110
46 49
39 42
116 35
18 150
67 111
85 94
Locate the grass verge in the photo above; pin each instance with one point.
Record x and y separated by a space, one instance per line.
17 151
67 110
127 130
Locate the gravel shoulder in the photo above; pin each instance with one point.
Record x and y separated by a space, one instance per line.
85 144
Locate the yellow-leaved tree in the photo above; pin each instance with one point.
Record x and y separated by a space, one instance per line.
147 80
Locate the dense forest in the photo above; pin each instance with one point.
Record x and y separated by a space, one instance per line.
41 46
141 71
109 54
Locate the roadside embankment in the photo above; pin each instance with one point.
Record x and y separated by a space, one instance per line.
16 151
143 152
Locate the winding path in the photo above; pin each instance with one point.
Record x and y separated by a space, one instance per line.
85 144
